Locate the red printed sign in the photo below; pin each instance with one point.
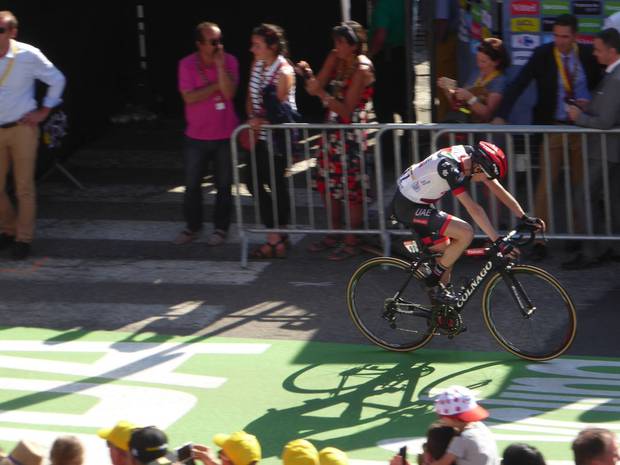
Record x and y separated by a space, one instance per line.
525 7
476 31
585 39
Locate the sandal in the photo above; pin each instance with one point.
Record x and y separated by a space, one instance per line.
343 252
330 241
272 251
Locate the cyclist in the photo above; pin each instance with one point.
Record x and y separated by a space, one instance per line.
452 169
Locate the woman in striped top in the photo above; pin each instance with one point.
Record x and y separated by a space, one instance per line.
344 85
270 67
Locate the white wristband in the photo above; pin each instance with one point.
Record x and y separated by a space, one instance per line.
472 100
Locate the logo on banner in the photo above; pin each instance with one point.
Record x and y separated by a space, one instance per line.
611 7
592 7
487 19
585 39
525 7
547 24
476 30
590 25
525 41
555 7
525 24
520 57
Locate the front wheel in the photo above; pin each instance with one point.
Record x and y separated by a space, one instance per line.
389 306
529 313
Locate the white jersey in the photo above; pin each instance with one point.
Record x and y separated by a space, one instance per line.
428 181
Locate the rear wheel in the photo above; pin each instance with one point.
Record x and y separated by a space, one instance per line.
529 313
395 321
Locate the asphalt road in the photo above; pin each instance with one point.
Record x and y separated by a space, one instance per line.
103 260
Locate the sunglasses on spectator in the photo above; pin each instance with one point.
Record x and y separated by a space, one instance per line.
3 30
215 42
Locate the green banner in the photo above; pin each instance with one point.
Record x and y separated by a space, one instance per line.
611 7
555 7
590 25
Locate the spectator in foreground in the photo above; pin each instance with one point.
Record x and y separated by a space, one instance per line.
208 81
117 439
238 448
475 445
300 452
522 454
25 453
344 86
333 456
603 112
22 66
67 450
596 446
149 446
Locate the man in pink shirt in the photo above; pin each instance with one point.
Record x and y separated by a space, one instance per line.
208 81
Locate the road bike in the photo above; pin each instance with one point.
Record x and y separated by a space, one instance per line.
524 307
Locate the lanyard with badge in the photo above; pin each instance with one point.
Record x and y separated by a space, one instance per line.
9 66
220 104
568 76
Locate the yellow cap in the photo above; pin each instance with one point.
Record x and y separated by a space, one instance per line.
118 436
240 447
300 452
333 456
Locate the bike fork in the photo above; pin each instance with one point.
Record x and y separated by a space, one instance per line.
518 294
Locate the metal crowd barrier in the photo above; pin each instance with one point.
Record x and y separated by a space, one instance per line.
527 147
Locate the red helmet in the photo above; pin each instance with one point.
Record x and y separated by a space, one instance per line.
491 160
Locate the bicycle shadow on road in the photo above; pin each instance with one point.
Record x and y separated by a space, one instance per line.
368 403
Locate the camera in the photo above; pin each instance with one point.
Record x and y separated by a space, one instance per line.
184 454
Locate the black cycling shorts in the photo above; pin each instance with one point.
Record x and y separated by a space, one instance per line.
428 222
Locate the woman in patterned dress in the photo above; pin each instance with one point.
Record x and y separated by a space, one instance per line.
344 85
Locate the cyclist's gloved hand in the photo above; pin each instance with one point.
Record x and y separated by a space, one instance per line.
531 222
506 248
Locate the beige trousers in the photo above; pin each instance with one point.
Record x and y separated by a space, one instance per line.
18 149
556 157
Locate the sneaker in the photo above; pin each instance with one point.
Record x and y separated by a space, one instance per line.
217 238
20 250
442 295
6 240
186 236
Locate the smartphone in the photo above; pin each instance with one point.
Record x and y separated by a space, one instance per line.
184 454
403 453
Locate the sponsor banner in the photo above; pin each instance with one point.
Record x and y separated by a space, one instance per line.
547 24
476 32
464 26
525 7
485 33
585 39
555 7
487 19
590 25
525 24
592 7
473 46
611 7
547 38
520 57
525 41
476 13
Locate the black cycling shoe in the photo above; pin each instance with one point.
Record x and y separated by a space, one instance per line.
442 295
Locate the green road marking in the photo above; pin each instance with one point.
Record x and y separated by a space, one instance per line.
361 399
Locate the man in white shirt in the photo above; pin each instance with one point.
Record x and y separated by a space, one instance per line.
20 66
603 112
